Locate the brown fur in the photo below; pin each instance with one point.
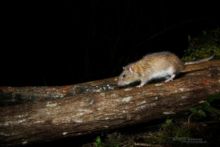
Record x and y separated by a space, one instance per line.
155 65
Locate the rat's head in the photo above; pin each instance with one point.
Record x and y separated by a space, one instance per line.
128 76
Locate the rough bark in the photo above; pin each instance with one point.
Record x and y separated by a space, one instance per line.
37 114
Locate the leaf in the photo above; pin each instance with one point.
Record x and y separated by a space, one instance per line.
201 113
98 142
193 110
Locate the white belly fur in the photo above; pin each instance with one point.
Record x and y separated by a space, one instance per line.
163 73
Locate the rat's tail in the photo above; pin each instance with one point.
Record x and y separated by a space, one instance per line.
199 61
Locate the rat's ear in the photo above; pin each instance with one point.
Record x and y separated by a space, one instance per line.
130 69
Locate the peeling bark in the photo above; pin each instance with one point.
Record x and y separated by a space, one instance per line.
38 114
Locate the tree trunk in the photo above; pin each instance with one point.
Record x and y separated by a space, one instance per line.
38 114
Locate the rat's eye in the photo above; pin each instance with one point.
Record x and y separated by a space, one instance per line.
123 76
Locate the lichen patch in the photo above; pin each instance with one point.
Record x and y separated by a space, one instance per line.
127 99
24 142
51 104
168 112
127 89
64 133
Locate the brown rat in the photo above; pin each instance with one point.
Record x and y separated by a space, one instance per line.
154 66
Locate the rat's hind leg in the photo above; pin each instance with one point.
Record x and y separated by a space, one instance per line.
170 78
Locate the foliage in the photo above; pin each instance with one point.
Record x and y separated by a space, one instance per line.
206 109
112 140
98 142
207 44
169 131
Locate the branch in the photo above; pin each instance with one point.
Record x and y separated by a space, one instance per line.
38 114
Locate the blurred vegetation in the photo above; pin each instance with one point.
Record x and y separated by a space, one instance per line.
111 140
205 45
208 109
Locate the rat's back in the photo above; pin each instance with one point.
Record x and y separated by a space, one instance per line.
163 60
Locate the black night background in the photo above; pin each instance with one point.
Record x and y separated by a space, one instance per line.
70 42
73 42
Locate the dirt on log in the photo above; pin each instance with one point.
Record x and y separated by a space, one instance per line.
39 114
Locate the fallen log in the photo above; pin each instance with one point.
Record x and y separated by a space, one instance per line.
38 114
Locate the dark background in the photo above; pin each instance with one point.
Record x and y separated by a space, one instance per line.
50 43
60 43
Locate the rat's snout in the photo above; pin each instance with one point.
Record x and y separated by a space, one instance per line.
121 82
